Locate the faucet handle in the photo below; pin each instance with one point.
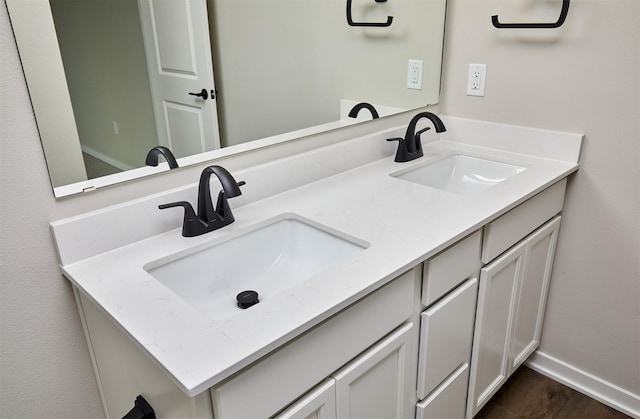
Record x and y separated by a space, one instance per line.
223 210
191 225
418 142
187 206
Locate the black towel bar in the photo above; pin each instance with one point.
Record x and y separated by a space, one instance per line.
561 19
372 24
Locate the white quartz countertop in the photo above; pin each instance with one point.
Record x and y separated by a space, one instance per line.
404 223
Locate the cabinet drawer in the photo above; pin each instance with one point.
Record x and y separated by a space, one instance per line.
446 333
281 377
448 400
449 268
510 228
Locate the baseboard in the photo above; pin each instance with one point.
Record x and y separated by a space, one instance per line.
588 384
100 156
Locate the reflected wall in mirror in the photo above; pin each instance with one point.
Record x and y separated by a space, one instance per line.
111 79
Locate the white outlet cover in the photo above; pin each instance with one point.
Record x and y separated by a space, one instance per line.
414 74
477 79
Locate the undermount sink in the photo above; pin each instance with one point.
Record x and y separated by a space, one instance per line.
460 174
268 259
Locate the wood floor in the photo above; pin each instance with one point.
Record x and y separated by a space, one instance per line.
528 394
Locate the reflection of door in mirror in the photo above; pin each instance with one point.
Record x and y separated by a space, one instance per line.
176 35
137 97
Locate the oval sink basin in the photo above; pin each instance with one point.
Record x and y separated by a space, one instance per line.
460 174
268 259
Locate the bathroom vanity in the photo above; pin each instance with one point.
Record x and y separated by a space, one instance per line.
438 297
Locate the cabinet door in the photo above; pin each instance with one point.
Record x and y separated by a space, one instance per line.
446 332
320 403
532 293
378 383
490 355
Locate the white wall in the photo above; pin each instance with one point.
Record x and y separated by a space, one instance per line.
592 320
584 78
44 365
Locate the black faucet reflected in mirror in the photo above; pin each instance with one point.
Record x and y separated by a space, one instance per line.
155 152
209 218
410 147
354 111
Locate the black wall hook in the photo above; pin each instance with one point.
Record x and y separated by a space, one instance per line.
373 24
561 19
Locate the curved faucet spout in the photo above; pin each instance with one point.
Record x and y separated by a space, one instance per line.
410 147
413 138
437 122
154 154
230 189
364 105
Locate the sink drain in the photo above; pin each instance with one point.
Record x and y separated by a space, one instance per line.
247 299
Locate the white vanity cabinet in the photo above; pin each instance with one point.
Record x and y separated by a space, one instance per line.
512 293
438 341
441 304
449 292
364 357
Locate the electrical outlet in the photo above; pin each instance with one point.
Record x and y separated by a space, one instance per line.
414 74
476 79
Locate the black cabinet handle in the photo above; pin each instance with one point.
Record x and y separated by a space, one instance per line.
202 93
141 410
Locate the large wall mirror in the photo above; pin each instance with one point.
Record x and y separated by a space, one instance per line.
111 79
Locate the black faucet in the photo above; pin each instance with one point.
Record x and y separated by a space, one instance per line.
208 218
154 153
354 111
410 147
